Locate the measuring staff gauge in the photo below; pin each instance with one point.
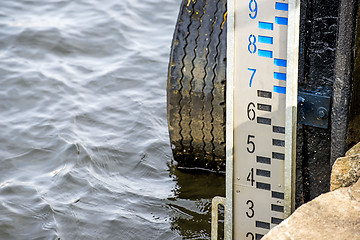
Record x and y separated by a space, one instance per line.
262 58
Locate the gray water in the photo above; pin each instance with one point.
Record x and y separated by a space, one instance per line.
84 146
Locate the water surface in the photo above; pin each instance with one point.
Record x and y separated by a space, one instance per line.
84 146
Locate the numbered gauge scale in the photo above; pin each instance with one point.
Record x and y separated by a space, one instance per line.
260 195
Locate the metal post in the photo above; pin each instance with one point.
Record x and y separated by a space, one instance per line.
215 215
343 78
229 122
291 105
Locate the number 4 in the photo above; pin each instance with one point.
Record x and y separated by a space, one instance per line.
250 177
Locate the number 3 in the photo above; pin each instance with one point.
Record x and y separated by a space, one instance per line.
251 208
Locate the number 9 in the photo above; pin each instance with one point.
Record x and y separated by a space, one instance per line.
253 9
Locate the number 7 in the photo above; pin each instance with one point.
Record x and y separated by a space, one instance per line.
252 75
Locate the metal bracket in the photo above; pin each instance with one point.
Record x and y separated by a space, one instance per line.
313 110
216 201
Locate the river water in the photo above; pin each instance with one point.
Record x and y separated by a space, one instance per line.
84 145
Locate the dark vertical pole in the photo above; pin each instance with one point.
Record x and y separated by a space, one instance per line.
319 19
354 115
343 78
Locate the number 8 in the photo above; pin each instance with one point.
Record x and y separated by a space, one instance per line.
252 44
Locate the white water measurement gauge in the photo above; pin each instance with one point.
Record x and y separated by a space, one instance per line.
263 40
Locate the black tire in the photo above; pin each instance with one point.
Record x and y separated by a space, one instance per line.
196 85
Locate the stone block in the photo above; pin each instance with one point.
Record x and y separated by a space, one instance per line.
334 215
346 170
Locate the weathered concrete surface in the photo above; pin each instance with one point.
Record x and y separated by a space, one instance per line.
346 170
334 215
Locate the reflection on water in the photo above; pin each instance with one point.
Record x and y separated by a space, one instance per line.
191 204
84 146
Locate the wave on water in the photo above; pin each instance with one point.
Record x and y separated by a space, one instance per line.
84 149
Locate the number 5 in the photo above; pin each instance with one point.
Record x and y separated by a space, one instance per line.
252 149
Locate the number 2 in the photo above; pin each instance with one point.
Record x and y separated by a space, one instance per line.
249 234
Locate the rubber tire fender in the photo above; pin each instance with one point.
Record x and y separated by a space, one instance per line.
196 106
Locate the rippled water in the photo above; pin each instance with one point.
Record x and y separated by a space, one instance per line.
84 146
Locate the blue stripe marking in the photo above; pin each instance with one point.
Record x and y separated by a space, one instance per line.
265 39
281 6
265 53
280 76
281 90
280 62
266 25
281 20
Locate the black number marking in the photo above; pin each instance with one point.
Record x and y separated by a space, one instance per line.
277 129
275 220
264 160
277 208
264 186
251 112
263 120
249 234
251 208
277 195
263 173
264 225
251 143
264 107
279 156
264 94
250 177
